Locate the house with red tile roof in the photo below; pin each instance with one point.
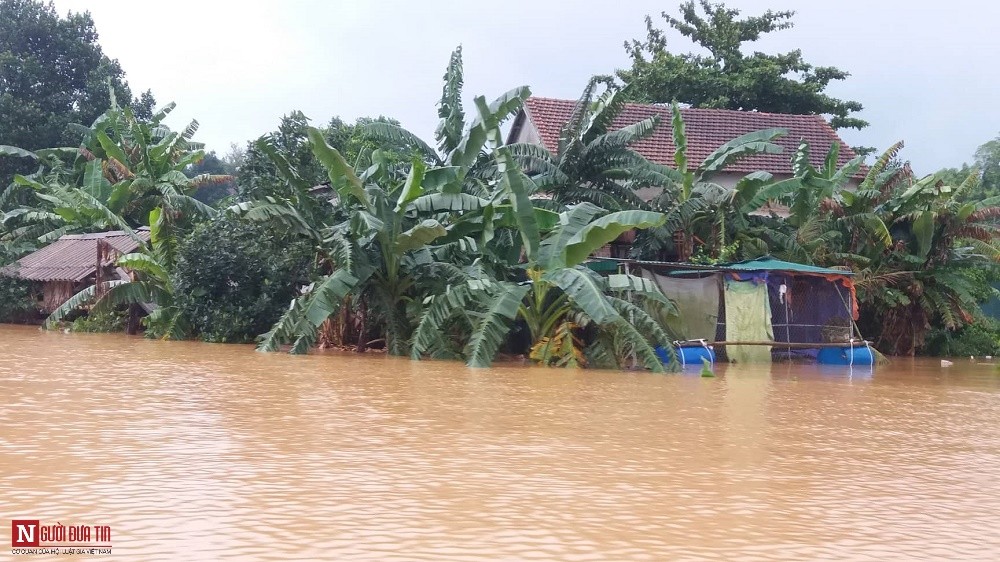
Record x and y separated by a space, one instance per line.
542 119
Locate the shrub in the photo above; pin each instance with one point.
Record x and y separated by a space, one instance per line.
111 321
16 301
234 278
979 338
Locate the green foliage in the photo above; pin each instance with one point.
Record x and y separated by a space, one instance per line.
556 288
563 349
593 164
437 240
919 249
977 339
706 368
732 75
695 206
124 169
217 179
259 175
113 320
128 172
985 165
233 278
16 300
52 73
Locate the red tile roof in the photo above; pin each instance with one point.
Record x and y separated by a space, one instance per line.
707 130
71 258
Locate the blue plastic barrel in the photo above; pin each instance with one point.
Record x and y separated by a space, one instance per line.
858 355
663 354
693 355
687 355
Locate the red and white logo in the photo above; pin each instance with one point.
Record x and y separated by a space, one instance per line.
24 532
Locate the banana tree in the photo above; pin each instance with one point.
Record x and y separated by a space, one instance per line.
825 219
377 252
460 145
690 195
129 166
593 163
384 232
556 290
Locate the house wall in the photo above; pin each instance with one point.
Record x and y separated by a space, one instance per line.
54 293
526 133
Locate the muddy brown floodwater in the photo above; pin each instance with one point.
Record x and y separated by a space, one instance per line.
192 451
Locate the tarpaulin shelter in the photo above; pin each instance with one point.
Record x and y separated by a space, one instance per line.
761 303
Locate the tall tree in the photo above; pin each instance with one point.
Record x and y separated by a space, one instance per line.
52 73
212 165
728 77
257 174
986 164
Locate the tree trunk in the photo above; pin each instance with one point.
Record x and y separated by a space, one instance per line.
683 245
133 321
362 332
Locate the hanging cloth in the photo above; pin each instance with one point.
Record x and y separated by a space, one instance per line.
748 318
697 301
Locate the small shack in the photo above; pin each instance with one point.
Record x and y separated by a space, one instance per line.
762 309
72 263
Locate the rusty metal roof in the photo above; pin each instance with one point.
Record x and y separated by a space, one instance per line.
71 258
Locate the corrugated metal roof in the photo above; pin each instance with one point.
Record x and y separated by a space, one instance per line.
71 258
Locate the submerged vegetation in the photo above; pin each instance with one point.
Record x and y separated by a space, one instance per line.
365 236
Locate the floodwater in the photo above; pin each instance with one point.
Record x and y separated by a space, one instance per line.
192 451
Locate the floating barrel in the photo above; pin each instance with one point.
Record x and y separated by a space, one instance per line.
688 355
857 355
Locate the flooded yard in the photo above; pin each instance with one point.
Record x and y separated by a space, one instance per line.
193 451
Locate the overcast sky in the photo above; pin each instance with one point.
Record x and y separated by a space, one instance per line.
926 72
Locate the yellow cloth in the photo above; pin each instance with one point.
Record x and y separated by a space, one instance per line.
748 318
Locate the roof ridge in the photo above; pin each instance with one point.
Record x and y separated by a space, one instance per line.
666 105
99 235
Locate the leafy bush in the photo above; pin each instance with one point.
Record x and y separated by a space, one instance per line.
979 338
16 302
111 321
234 278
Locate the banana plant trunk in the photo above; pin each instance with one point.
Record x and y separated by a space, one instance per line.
683 245
362 336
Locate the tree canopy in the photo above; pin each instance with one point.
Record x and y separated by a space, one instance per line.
257 174
986 163
53 73
727 77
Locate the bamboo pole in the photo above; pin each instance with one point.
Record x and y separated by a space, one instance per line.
778 344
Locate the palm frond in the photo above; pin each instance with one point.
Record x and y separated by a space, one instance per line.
431 326
449 130
643 333
491 330
394 135
880 165
86 296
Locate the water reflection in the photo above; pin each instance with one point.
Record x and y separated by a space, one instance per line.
197 451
